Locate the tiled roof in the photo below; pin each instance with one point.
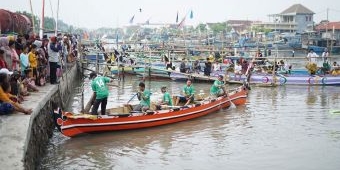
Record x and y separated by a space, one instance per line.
297 9
328 26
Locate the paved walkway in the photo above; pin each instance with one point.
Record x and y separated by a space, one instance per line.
14 129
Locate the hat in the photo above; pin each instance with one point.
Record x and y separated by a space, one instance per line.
6 71
93 75
37 43
54 39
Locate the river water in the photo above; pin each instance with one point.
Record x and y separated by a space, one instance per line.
288 127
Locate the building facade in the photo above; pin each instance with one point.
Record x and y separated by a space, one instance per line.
295 19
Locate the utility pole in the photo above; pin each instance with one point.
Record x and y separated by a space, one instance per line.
327 13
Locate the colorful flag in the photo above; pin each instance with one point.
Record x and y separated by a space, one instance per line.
181 24
177 17
191 14
131 20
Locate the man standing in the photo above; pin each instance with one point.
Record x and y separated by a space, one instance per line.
100 91
53 49
312 56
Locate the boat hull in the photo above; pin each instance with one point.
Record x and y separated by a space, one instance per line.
291 79
75 126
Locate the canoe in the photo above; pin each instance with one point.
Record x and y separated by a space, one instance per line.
122 118
291 79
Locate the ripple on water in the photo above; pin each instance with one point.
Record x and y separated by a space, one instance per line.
288 127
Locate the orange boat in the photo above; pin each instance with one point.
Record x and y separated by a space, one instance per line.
122 118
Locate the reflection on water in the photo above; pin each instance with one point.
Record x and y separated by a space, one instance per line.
285 127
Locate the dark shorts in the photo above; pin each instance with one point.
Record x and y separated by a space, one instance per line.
183 99
6 108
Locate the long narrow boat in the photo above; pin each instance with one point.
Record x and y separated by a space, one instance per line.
290 79
122 119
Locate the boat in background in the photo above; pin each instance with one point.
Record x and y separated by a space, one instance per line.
289 79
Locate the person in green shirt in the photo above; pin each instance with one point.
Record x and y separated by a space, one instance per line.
144 97
101 92
217 89
166 99
188 94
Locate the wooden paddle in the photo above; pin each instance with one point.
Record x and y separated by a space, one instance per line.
232 105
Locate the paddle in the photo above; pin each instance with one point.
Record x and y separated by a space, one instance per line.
232 105
132 98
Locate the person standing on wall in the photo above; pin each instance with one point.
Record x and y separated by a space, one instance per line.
53 49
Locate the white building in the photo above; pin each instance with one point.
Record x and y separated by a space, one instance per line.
296 18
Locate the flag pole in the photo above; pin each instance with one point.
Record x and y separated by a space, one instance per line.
41 32
56 22
32 16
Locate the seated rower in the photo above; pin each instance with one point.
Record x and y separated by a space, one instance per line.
143 96
166 99
217 89
188 94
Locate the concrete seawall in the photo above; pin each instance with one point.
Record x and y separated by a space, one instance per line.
23 138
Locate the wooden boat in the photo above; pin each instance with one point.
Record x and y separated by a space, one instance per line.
122 118
292 79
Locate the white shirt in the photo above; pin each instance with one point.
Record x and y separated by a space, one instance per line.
238 68
217 66
312 57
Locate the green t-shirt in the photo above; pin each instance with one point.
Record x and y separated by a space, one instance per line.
215 88
99 86
145 98
167 98
188 90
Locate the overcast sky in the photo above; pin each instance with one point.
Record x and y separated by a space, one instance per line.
112 13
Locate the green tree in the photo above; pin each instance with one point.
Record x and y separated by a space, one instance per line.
219 27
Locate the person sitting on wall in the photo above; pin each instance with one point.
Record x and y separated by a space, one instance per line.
7 106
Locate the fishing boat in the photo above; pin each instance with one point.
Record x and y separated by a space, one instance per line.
291 79
71 124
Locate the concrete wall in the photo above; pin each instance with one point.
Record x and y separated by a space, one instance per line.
23 138
41 123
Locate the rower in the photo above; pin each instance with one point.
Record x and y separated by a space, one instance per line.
188 94
166 99
217 89
143 96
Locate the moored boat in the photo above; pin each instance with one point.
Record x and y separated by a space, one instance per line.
122 118
292 79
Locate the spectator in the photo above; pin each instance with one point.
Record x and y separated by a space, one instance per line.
3 63
53 52
6 103
14 56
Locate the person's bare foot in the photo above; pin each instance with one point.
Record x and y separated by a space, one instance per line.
28 111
